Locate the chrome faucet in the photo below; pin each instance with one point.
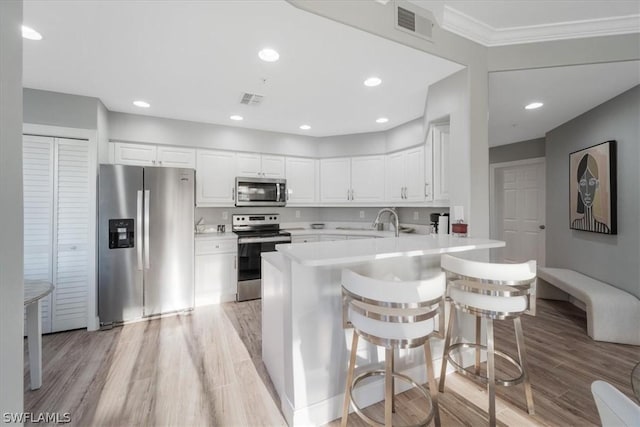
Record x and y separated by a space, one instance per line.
392 213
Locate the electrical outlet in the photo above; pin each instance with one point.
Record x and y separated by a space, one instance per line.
361 214
225 215
297 214
416 215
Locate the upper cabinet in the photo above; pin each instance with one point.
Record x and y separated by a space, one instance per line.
440 139
260 165
349 180
301 180
153 155
215 178
405 175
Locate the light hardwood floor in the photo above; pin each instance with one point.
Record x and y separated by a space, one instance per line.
205 369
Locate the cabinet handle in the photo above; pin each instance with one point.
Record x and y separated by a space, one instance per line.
426 192
235 262
233 193
348 194
288 194
153 162
352 194
159 162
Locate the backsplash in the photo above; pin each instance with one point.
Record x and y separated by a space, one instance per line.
319 214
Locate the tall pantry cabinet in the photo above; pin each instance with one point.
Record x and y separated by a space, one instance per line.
59 186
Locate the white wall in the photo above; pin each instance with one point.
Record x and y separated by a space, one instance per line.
11 249
59 109
406 135
352 145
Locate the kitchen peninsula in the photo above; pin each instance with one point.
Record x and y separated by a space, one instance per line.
304 345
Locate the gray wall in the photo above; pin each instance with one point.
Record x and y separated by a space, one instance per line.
612 259
60 109
530 149
11 249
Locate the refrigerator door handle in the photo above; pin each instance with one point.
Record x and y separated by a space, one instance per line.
147 195
139 229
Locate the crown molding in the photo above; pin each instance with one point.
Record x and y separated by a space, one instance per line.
480 32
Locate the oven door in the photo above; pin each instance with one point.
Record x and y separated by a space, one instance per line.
250 264
260 192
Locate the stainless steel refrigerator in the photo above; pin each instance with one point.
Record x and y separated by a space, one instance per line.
146 242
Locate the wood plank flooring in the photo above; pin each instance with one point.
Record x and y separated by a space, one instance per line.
205 369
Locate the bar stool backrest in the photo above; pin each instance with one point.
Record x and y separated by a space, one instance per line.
393 313
501 290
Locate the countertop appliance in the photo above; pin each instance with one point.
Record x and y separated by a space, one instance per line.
256 234
261 191
145 242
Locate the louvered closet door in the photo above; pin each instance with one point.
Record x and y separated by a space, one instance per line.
37 169
71 237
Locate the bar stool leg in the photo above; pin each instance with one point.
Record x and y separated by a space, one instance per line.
522 355
393 385
388 386
478 337
491 373
447 342
350 369
432 382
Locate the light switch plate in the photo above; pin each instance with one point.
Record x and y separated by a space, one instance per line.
416 215
361 214
225 215
297 214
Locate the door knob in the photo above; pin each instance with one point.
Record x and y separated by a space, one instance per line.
541 227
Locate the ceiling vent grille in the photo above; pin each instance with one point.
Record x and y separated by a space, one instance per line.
251 99
414 20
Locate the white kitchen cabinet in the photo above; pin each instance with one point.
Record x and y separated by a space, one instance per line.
405 175
260 166
216 275
367 179
125 153
301 180
440 140
176 157
352 180
335 180
134 154
215 178
59 185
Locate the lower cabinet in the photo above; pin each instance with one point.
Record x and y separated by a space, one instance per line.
216 272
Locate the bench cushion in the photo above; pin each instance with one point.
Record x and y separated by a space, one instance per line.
613 315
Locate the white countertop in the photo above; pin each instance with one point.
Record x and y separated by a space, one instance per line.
216 236
318 254
338 232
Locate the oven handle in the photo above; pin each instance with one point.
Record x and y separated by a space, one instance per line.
242 240
278 193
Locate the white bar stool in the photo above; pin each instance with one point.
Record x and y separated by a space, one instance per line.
494 292
393 314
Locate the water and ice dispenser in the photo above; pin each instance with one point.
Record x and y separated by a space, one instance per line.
121 234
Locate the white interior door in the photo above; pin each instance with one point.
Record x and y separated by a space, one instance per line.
519 211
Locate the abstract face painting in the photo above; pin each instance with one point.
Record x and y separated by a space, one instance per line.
592 189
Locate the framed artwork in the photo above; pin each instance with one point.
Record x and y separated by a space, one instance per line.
592 189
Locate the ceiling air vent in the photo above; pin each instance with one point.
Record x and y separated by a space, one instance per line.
414 20
251 99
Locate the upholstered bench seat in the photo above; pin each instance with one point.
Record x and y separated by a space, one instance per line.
613 315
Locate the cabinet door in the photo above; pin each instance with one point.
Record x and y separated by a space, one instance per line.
37 170
301 180
176 157
134 154
394 177
414 174
72 236
216 279
428 168
273 167
440 162
248 164
367 179
335 180
215 178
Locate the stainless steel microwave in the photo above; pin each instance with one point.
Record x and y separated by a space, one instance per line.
261 191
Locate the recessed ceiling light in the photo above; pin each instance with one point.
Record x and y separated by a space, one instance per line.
382 120
534 105
269 55
305 127
372 82
236 117
30 34
141 104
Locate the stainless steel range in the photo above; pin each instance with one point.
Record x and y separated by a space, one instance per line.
256 234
